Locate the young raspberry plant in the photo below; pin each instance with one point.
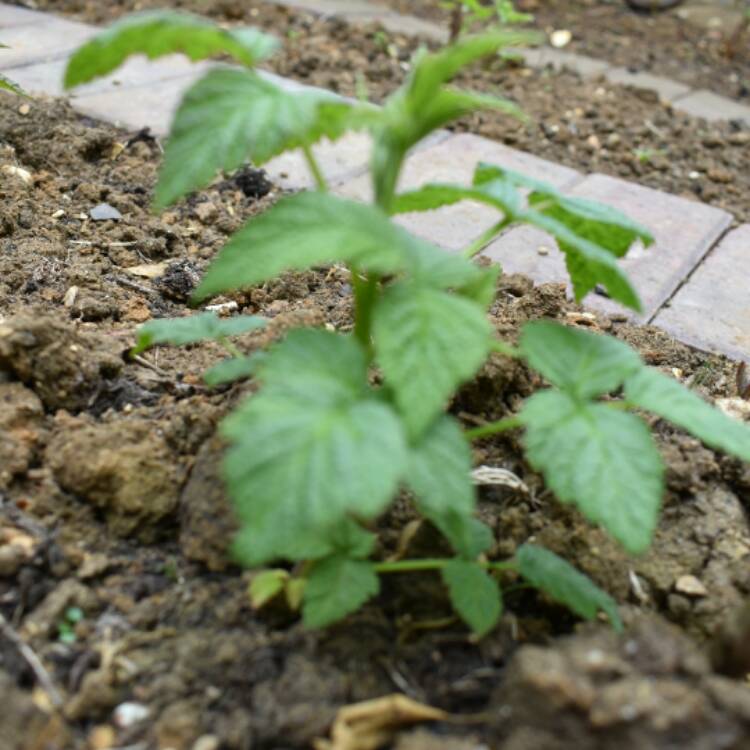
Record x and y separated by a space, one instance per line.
319 452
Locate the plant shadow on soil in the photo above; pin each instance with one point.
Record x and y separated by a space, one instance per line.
111 502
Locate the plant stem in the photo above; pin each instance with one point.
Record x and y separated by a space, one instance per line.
485 238
502 425
412 566
502 348
312 162
365 293
230 347
619 405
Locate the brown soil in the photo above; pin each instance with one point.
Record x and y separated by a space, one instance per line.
110 501
592 126
663 43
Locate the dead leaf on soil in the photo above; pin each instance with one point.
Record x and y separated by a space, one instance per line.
371 724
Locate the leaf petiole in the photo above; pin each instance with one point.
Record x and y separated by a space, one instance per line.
317 173
230 347
493 428
486 237
412 566
501 347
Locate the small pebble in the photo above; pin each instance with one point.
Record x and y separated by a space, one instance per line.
128 714
104 212
690 586
206 742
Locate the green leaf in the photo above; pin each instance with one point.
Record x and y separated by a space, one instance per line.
266 585
188 330
310 229
583 364
427 342
7 85
439 474
163 32
230 116
315 445
474 594
431 71
336 587
588 264
591 235
500 195
660 394
600 459
229 370
598 223
562 582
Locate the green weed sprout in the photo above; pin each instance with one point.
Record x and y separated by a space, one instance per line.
319 452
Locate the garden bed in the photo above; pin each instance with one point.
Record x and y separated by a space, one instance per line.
665 43
113 513
590 125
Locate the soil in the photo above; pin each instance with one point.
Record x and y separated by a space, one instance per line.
696 46
111 504
600 127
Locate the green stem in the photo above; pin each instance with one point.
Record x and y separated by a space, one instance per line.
365 293
312 162
619 405
412 566
502 348
230 347
485 238
502 425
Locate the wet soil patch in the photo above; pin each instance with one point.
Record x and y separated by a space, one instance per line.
114 523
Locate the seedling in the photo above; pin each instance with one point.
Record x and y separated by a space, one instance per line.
466 14
66 632
319 451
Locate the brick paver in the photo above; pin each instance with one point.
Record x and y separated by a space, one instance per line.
454 160
14 15
48 39
343 160
541 57
684 232
667 89
712 310
712 107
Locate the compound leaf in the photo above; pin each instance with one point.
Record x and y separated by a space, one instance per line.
583 364
163 32
315 445
562 582
304 230
439 474
592 235
602 460
474 594
427 342
336 587
188 330
230 116
660 394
